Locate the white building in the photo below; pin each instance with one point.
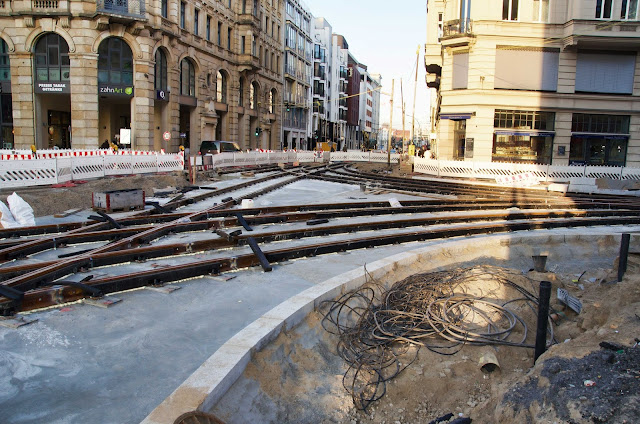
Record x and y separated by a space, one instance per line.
536 81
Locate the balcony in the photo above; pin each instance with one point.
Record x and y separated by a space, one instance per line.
248 62
38 7
458 32
434 69
433 81
597 34
249 19
134 9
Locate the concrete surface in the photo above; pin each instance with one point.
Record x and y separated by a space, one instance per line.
82 364
215 385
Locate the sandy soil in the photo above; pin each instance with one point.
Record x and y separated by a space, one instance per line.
299 378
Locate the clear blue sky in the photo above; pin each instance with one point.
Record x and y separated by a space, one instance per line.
384 35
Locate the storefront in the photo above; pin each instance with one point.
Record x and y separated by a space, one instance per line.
6 109
599 139
523 136
52 92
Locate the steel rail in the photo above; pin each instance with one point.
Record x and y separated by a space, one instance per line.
40 297
253 216
148 252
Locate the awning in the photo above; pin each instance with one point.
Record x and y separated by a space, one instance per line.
457 116
609 136
530 133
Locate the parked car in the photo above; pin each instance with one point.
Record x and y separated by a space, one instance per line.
215 147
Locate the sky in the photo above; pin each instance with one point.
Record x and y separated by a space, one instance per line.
384 35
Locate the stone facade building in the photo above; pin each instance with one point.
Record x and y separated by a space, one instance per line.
158 74
535 81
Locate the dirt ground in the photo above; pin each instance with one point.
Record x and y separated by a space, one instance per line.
48 200
299 378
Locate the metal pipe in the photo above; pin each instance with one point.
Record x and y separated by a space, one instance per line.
624 254
543 319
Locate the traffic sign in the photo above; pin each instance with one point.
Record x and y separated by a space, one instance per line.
166 136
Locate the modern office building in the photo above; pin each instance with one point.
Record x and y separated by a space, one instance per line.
338 90
157 74
322 53
298 63
535 81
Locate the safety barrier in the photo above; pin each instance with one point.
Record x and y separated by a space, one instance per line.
23 170
359 156
498 171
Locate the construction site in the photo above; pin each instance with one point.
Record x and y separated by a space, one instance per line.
319 292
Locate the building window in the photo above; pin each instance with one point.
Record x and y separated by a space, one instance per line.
460 70
196 21
244 6
611 73
241 93
629 10
243 41
603 9
524 119
523 136
509 10
253 95
115 62
5 69
164 6
271 96
160 71
183 12
541 10
540 74
208 28
228 38
220 33
187 78
221 88
52 58
6 106
595 123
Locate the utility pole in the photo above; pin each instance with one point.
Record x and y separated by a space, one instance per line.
414 94
390 127
404 143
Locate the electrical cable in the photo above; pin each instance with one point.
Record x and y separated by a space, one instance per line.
380 331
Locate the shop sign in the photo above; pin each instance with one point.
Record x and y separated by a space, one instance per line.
52 87
162 95
115 91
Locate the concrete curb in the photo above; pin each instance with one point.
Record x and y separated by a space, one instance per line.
206 386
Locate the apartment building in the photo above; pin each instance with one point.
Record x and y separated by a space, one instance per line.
369 97
155 74
298 65
535 81
322 52
338 92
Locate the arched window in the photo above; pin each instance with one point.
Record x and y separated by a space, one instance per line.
115 62
52 58
5 69
271 96
221 88
187 78
253 95
241 93
160 71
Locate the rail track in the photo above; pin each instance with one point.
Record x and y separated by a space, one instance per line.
206 230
